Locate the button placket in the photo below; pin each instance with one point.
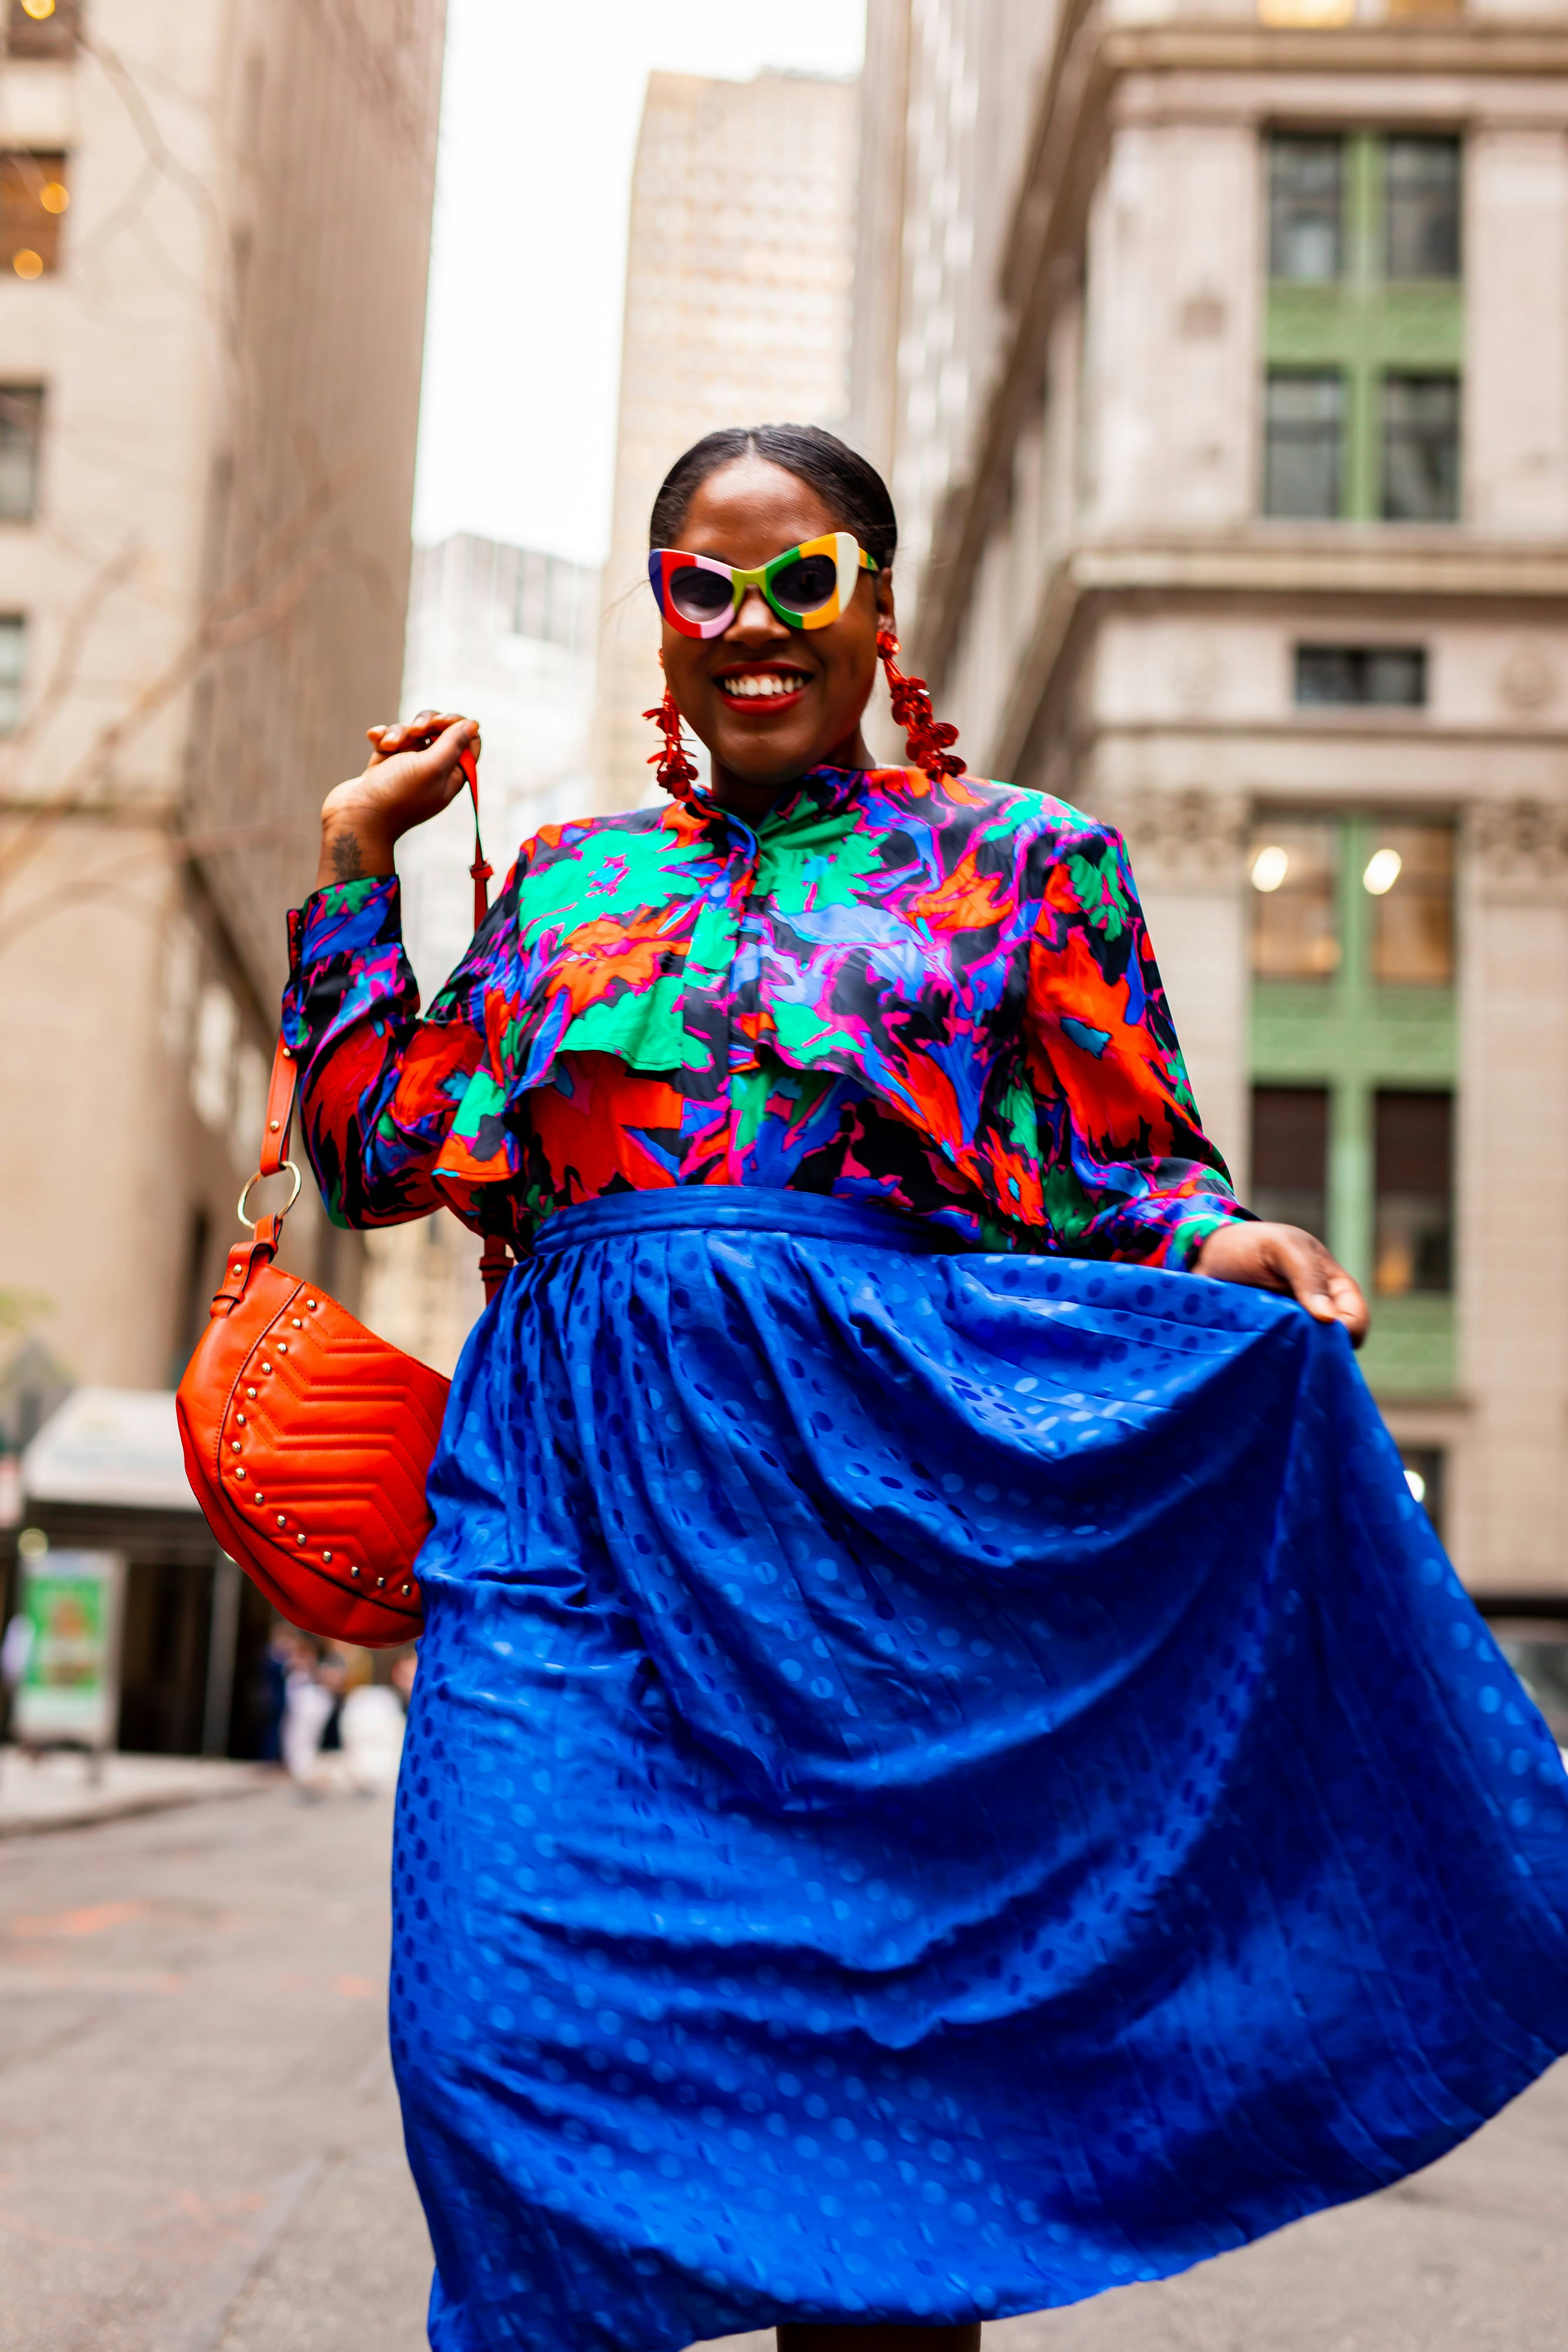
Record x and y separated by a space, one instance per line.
717 935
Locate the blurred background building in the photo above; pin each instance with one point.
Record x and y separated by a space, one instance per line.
739 281
509 633
1218 358
214 222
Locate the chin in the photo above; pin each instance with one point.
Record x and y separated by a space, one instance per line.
760 762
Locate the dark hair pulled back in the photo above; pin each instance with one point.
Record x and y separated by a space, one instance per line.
842 477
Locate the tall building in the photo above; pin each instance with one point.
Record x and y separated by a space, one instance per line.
1220 358
507 634
214 223
738 274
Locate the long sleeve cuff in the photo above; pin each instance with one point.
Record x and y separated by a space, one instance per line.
345 943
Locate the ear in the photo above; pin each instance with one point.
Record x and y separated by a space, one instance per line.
881 582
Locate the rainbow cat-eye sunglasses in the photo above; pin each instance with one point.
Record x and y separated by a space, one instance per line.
806 586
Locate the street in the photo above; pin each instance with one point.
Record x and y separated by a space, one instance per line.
200 2150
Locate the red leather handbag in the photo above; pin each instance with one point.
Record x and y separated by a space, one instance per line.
308 1439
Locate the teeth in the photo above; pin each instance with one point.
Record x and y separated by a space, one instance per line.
764 683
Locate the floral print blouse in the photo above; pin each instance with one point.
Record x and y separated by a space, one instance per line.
939 998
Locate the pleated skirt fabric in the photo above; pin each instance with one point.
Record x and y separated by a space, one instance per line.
937 1785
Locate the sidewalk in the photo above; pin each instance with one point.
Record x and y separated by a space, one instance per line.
58 1791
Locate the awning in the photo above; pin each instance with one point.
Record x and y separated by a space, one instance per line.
118 1447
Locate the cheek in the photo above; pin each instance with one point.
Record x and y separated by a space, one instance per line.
852 672
677 655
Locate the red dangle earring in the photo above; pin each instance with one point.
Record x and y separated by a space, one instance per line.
674 766
926 738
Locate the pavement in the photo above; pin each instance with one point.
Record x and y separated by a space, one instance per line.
200 2150
61 1789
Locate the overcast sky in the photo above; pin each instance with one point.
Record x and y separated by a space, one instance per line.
538 128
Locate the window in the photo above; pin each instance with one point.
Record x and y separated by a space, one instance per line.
1423 1475
1413 1187
1420 448
1537 1650
1303 431
1306 181
198 1289
1375 677
12 655
32 201
1409 878
1364 326
1291 1156
41 28
21 432
1294 864
1421 217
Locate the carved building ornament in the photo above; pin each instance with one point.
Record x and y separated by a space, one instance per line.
1184 837
1519 841
1527 680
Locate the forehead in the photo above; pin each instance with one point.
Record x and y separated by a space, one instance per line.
750 511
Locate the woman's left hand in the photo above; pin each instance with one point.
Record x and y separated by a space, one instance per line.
1284 1257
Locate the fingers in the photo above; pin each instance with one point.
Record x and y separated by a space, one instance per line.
438 759
1317 1280
1349 1306
427 730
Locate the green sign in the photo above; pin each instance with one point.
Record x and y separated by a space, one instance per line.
70 1684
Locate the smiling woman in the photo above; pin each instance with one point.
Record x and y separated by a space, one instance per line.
771 691
948 1771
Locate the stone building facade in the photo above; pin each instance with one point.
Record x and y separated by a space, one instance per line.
738 273
509 633
213 239
1219 360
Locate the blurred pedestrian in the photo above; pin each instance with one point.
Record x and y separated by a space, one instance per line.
309 1702
281 1653
947 1771
332 1673
372 1738
15 1650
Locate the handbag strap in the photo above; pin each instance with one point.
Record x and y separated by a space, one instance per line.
494 1264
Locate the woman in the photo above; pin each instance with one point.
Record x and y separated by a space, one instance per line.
947 1771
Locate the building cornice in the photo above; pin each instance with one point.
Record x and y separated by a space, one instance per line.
1458 47
1340 561
1422 573
1092 58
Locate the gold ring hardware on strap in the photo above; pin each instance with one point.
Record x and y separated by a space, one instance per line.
289 1168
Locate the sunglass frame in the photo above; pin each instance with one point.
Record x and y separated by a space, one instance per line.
850 560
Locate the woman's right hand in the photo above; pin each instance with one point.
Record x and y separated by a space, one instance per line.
412 775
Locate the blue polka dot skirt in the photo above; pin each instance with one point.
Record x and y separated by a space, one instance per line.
938 1784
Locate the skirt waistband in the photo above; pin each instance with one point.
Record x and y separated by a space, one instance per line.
729 1208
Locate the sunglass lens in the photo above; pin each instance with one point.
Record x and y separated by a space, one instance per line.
807 584
699 595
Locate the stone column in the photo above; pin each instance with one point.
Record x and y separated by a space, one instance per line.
1188 850
1510 1503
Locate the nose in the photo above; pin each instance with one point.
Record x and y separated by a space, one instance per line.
756 623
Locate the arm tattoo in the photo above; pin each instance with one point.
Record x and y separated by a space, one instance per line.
347 863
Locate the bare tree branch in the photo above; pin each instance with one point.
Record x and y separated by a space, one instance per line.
254 603
107 881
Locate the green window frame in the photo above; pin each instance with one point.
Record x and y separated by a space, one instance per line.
1359 1037
1366 291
